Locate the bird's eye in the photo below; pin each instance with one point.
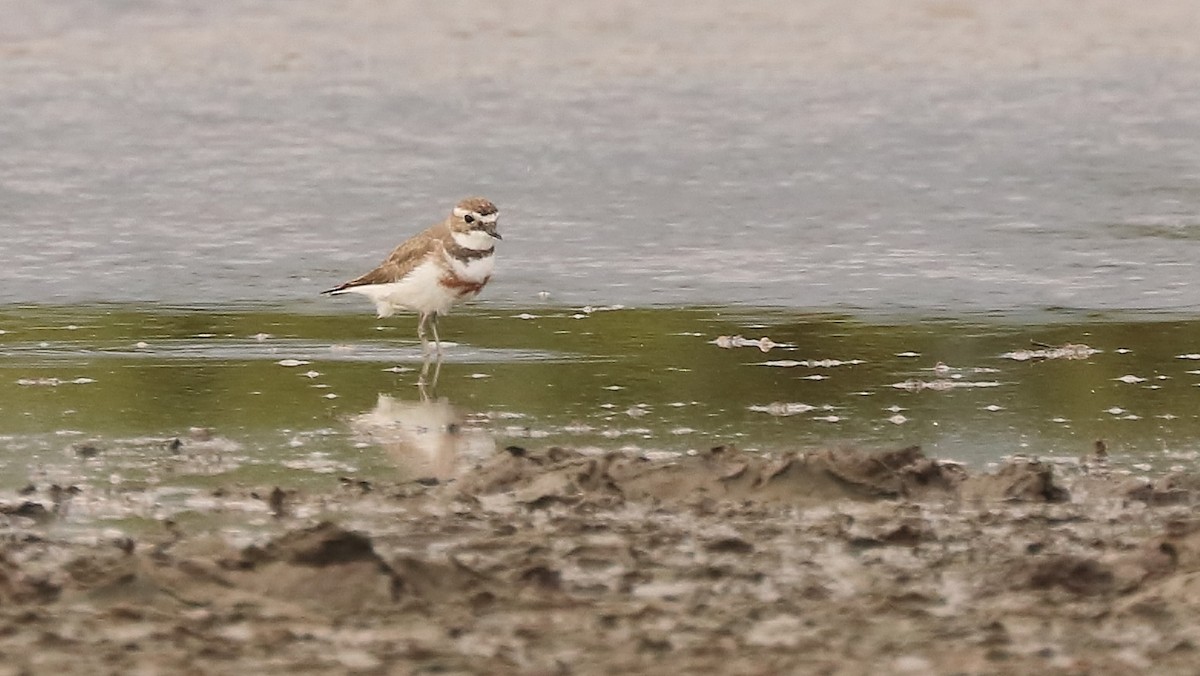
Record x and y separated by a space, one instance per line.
469 218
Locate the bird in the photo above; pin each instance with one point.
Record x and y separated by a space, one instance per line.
434 269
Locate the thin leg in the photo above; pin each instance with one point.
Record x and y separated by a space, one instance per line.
437 342
421 334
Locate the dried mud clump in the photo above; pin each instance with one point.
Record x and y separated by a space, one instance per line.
324 567
1019 480
539 478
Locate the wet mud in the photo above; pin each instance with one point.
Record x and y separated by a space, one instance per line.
556 561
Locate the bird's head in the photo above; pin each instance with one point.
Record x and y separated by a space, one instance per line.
475 215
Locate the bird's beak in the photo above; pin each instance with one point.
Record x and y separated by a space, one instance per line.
492 231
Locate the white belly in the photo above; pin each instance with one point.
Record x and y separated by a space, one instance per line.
420 291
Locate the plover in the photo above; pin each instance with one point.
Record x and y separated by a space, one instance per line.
433 270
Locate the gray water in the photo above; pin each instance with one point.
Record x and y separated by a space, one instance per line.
150 157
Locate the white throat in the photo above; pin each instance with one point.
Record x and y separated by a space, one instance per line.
476 240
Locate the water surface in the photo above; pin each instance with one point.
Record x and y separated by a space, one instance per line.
174 396
231 154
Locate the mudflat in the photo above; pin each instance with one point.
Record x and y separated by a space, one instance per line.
555 561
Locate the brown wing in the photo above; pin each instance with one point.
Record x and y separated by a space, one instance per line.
400 262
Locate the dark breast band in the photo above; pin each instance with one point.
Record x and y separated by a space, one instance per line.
464 254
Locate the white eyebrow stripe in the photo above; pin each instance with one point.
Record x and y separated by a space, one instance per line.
460 212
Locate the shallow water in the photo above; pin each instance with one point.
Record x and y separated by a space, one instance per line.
102 394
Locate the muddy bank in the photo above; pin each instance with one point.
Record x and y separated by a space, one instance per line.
552 561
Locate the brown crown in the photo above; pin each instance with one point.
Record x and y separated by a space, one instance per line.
479 205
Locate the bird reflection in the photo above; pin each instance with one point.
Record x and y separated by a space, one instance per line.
425 382
425 438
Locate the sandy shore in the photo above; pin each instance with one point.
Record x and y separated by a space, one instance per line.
554 562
